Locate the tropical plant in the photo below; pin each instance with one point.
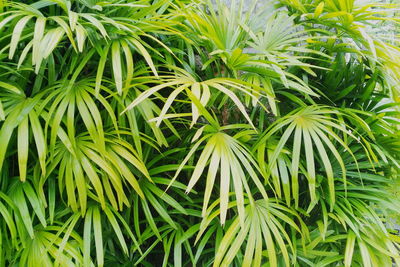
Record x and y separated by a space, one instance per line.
199 133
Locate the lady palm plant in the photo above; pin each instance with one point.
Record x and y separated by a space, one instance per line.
199 133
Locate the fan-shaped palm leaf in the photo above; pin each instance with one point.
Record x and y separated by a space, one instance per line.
313 126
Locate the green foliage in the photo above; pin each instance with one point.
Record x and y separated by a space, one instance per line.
195 133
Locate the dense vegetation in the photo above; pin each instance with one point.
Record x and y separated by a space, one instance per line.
190 133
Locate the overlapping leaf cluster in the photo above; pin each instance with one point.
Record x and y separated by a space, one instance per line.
196 133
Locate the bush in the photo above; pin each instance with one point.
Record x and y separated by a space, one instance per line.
191 133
